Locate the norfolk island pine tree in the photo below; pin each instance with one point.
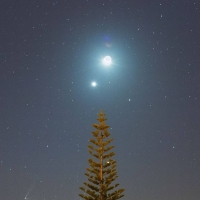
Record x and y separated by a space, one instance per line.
102 171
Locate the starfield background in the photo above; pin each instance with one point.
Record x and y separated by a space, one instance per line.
53 83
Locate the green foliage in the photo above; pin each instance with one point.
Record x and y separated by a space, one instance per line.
102 171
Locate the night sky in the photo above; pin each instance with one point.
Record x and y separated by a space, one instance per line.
51 52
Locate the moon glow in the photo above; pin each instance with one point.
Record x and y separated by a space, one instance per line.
107 60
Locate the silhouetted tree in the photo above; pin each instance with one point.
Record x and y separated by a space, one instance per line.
102 172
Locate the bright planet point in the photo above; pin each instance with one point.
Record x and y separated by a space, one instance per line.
94 84
107 60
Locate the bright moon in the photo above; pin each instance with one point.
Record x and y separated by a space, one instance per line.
94 84
107 60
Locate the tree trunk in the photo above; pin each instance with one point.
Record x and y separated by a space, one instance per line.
101 168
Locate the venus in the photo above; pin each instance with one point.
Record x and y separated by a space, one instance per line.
93 84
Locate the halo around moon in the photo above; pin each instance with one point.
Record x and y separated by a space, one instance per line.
107 61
